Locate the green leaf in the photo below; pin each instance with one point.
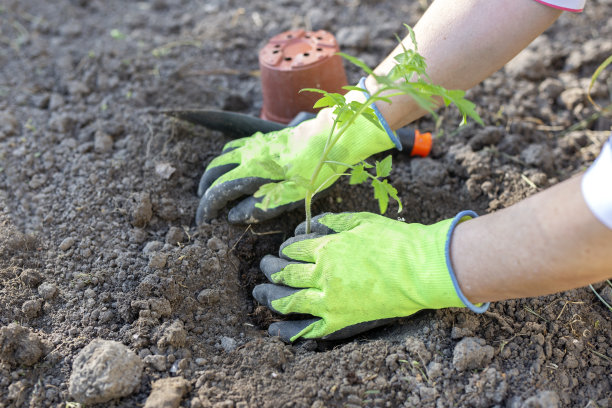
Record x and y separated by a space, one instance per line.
356 61
353 88
324 102
358 174
300 181
313 90
268 168
383 167
392 191
598 71
380 193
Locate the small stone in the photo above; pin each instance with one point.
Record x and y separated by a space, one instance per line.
152 246
551 88
19 345
164 170
142 210
228 343
158 260
167 393
32 308
67 243
37 181
47 291
31 277
472 353
175 335
572 97
158 362
216 244
8 124
104 370
62 123
175 235
209 296
103 142
417 349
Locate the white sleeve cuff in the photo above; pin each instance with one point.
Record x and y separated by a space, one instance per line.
575 6
597 185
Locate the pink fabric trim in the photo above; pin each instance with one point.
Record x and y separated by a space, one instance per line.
559 7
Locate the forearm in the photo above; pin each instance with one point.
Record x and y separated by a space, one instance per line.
548 243
464 42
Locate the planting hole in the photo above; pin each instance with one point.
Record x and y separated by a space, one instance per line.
306 54
287 58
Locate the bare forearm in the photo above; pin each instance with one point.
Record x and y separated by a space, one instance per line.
463 43
547 243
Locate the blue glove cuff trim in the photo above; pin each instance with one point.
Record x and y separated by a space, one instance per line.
478 309
381 118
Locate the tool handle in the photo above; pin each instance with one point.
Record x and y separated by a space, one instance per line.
414 142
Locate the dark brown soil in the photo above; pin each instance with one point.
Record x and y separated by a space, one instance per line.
95 243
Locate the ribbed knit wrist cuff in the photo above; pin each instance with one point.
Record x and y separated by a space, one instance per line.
381 118
458 218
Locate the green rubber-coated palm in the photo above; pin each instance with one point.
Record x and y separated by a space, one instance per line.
354 269
248 163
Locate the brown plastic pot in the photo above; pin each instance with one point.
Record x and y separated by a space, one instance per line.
294 60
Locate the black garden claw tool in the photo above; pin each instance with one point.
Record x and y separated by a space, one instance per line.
237 125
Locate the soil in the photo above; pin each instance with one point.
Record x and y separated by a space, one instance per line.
98 198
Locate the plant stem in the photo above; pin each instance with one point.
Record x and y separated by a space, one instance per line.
332 140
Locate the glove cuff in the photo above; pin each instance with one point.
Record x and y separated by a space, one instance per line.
381 118
459 218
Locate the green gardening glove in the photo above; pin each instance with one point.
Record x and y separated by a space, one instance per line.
246 164
357 271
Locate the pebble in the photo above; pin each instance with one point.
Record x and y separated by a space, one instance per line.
104 370
158 362
19 345
103 142
167 393
175 235
142 210
47 291
228 344
67 243
32 308
158 260
174 335
472 353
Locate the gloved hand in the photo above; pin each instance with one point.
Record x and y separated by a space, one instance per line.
246 164
357 271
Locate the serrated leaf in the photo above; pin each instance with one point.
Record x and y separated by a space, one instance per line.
383 167
380 193
300 181
356 61
392 191
268 168
358 174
